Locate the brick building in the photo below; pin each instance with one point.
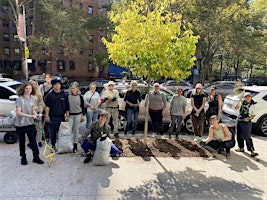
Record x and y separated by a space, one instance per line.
80 67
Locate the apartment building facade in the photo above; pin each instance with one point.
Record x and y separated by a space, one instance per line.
78 67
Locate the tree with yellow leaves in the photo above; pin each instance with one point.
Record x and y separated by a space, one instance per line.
152 41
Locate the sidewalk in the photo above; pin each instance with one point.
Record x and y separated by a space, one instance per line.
240 177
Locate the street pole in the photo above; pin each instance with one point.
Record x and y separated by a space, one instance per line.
25 44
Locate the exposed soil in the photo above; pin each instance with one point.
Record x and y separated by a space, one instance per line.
156 147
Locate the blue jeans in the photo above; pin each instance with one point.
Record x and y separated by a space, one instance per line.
54 127
91 116
75 121
86 146
31 133
134 111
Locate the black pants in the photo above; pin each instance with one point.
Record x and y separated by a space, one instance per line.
156 120
215 144
244 133
173 122
31 133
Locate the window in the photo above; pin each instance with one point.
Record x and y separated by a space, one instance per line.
7 64
90 66
81 6
72 65
5 23
70 3
31 66
6 37
81 51
90 52
1 65
6 51
15 38
91 38
60 50
5 93
17 65
16 51
90 10
61 65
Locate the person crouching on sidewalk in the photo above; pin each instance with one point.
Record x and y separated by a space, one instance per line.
95 131
219 136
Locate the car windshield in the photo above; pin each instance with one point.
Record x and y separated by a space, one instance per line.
15 86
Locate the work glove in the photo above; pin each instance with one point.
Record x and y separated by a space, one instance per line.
105 99
75 148
114 99
219 140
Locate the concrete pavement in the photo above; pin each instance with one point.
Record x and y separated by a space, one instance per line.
240 177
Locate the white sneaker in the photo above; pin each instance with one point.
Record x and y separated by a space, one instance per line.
195 139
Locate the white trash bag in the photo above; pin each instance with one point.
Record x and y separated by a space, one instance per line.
65 144
102 152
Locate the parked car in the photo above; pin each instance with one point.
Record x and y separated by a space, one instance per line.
8 96
122 88
4 78
99 86
259 95
173 85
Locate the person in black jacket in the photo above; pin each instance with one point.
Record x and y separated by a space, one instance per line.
244 124
132 99
56 110
215 104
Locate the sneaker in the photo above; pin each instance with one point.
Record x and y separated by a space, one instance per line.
170 137
116 135
29 145
88 158
133 133
53 147
115 157
40 144
24 161
195 139
125 133
38 161
228 155
220 150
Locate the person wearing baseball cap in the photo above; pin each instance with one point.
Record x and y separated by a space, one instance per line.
93 133
111 97
198 100
56 110
157 105
244 124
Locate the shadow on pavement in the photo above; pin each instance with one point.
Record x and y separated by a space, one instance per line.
190 184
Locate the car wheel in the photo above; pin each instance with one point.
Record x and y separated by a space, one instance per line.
83 90
122 121
185 93
10 137
263 126
188 124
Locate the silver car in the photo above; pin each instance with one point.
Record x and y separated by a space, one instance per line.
8 96
122 88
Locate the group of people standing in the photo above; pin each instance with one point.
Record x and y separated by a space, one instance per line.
220 136
50 103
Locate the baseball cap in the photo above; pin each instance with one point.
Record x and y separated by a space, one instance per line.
74 84
156 84
133 82
213 88
247 94
53 82
199 85
111 83
103 112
